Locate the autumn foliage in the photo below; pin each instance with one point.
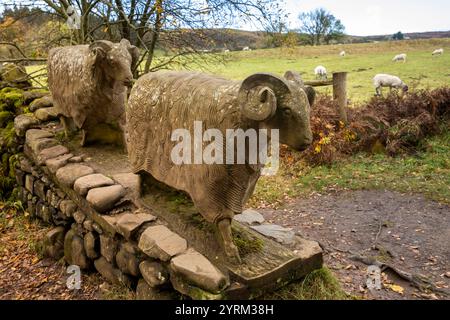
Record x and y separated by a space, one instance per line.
394 125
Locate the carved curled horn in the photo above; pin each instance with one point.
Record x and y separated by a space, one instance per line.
259 93
101 44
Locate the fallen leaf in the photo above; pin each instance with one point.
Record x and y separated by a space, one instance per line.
395 288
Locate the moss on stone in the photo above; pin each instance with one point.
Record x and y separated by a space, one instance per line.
246 243
5 117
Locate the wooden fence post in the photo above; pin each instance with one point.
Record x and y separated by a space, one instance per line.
340 94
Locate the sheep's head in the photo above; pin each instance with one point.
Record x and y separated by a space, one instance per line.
405 87
279 103
115 60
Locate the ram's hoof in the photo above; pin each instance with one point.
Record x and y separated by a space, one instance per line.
232 253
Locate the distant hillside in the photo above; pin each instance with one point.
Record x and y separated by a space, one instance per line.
233 39
412 36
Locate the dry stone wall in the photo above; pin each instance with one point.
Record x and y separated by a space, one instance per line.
96 226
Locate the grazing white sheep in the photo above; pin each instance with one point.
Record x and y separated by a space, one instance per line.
438 52
386 80
400 57
246 49
320 72
343 54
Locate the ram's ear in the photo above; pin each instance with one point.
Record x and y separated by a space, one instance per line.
294 76
311 94
135 55
125 42
259 94
134 52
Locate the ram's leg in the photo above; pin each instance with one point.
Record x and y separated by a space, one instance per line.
83 137
68 125
226 236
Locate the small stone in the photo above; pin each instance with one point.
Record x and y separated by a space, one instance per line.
23 122
161 243
97 228
25 165
199 271
128 223
20 177
108 247
29 183
46 114
68 174
54 200
76 159
35 134
54 243
67 207
79 217
54 164
189 290
39 189
104 199
50 153
91 245
38 145
153 273
127 259
113 275
44 102
46 214
249 217
145 292
87 224
84 184
68 245
79 257
131 182
276 232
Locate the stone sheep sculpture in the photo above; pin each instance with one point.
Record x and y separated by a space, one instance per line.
88 84
162 102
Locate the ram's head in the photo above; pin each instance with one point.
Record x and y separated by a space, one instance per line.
117 61
279 103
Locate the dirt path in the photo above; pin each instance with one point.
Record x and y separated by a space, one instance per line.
407 231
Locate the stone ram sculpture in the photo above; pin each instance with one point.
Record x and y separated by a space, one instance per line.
88 84
162 102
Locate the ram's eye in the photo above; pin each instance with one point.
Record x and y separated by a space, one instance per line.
287 112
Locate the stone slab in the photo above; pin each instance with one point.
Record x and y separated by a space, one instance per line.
84 184
105 198
161 243
68 174
199 271
250 217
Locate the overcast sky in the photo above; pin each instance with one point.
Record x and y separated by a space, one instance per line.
375 17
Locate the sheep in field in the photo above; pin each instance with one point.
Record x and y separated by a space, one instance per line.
320 72
386 80
438 52
400 57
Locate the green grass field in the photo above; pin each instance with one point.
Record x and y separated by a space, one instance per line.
362 62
